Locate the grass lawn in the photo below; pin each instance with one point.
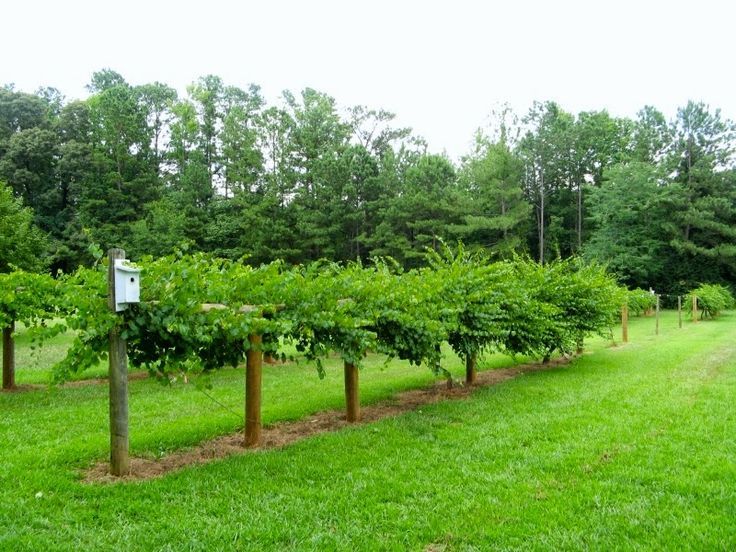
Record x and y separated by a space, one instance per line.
627 447
33 364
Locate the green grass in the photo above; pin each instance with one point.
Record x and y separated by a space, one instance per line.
629 447
33 363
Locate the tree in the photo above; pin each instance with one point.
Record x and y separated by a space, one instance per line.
157 100
122 179
372 129
703 140
651 136
164 228
22 244
207 96
630 213
69 240
497 212
242 160
319 137
598 142
421 213
28 165
105 79
544 149
703 157
18 112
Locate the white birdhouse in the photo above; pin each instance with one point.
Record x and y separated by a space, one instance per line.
127 285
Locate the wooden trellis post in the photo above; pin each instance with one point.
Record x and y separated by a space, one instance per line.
656 326
695 308
352 392
118 379
679 311
625 323
253 385
8 357
253 378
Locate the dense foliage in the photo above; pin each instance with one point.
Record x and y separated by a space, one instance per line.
197 311
221 171
21 242
640 301
27 297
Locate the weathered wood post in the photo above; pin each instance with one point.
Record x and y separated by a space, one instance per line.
253 383
695 308
656 326
9 357
118 378
625 323
352 392
679 311
471 368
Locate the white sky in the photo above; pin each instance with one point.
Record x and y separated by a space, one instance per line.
441 66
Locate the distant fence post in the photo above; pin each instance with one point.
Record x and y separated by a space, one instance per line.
625 323
695 308
253 383
471 368
352 392
118 380
679 311
656 326
9 357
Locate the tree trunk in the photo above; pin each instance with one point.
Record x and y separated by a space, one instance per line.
580 215
8 357
541 219
352 392
503 214
471 365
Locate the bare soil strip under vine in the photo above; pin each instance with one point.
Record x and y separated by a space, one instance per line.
284 433
24 387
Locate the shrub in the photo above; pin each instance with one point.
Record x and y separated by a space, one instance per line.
712 299
639 301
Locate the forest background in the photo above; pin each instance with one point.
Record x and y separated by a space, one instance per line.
218 169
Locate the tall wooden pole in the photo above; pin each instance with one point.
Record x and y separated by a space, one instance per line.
656 327
8 357
352 392
679 311
471 368
625 323
118 377
695 308
253 384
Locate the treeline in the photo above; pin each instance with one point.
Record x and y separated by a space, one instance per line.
143 168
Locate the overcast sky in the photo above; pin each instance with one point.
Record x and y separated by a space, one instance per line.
441 66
